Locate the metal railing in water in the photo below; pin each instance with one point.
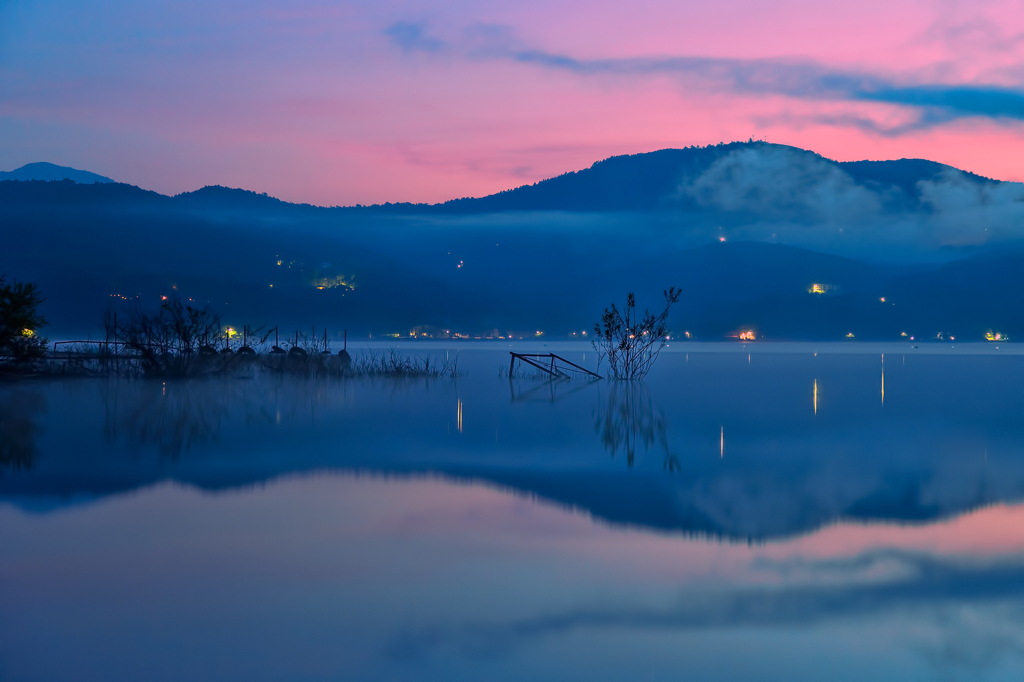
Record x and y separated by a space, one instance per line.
556 365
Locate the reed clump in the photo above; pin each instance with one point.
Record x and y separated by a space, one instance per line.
387 364
102 360
180 341
391 363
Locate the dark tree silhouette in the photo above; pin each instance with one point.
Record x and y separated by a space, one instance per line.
20 322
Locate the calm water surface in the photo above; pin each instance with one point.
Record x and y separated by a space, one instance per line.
771 516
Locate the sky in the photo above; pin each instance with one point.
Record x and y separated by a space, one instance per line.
337 103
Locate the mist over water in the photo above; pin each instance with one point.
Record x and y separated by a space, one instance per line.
747 509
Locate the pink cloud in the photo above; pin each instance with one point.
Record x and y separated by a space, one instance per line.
317 103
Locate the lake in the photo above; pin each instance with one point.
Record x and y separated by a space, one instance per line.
769 511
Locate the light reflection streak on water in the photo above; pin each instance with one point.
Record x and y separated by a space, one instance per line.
721 444
458 416
883 378
815 396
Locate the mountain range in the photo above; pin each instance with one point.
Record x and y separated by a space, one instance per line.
746 229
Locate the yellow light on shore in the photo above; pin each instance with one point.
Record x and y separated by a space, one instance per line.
28 332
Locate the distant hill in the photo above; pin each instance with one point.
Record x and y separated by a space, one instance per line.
50 172
651 181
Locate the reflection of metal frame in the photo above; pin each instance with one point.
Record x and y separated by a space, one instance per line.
553 368
532 394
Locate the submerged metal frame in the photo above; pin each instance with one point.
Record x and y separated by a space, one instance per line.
553 369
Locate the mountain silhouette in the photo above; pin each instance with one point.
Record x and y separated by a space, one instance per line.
744 228
50 172
651 181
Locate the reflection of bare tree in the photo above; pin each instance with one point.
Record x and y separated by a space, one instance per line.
178 416
18 428
174 418
629 419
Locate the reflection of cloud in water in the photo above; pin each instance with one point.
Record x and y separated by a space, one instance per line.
962 615
19 429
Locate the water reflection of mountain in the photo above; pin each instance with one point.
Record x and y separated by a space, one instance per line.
779 469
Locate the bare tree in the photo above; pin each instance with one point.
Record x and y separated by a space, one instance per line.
631 343
168 342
